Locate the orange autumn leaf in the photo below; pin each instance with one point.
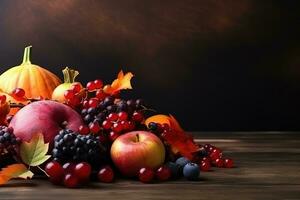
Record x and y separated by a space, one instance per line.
121 83
14 171
160 119
164 119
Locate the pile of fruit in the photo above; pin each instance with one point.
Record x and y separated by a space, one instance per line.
76 134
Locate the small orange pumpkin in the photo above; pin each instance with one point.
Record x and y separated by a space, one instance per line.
35 80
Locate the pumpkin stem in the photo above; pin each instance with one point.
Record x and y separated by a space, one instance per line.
69 75
26 56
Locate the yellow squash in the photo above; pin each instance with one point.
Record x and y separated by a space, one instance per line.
35 80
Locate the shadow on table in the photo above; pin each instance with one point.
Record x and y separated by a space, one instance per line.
16 185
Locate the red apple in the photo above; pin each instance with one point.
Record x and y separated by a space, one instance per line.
46 117
137 149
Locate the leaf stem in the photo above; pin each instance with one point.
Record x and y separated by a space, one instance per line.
43 171
148 109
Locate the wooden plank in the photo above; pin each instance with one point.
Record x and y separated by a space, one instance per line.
268 167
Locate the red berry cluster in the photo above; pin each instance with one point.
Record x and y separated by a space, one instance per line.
116 123
74 95
73 175
113 125
215 158
103 112
147 175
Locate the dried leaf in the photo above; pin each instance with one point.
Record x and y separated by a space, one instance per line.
14 171
33 153
121 83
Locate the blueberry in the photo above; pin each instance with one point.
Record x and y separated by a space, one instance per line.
191 171
13 140
131 103
122 106
78 142
68 131
56 153
65 149
175 169
87 118
89 142
202 152
67 138
101 116
84 112
61 132
57 137
108 101
91 111
182 161
7 136
152 126
2 139
111 108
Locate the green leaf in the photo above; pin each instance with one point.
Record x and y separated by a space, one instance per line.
26 174
33 153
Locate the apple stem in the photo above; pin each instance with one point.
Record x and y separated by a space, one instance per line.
137 137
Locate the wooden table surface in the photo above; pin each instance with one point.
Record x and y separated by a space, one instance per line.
268 167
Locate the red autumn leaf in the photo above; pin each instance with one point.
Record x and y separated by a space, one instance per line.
181 142
121 83
177 138
174 124
14 171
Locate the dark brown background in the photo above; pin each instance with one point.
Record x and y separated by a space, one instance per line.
215 65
